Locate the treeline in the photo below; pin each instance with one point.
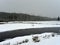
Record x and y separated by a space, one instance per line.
21 17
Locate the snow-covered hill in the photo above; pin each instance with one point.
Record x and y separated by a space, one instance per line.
36 39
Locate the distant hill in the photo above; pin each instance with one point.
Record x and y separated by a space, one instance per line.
21 17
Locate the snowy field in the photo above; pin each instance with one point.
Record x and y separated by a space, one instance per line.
36 39
8 26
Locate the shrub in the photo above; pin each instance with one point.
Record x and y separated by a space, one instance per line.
26 40
53 35
35 39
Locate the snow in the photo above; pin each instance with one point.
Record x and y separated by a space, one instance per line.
45 38
43 41
28 24
37 22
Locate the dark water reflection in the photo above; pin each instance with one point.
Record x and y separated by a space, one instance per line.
23 32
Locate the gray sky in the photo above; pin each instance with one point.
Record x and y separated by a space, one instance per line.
50 8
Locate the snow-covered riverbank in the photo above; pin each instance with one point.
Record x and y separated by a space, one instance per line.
43 39
28 24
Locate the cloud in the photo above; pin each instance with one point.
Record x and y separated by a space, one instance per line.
39 7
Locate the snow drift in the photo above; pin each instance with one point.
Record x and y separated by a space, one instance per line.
44 39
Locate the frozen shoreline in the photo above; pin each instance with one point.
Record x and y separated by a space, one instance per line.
45 39
15 29
24 32
28 24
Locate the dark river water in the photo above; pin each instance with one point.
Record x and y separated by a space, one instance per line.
23 32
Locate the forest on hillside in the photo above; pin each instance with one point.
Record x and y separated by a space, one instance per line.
4 16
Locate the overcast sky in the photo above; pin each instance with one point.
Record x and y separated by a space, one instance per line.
49 8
